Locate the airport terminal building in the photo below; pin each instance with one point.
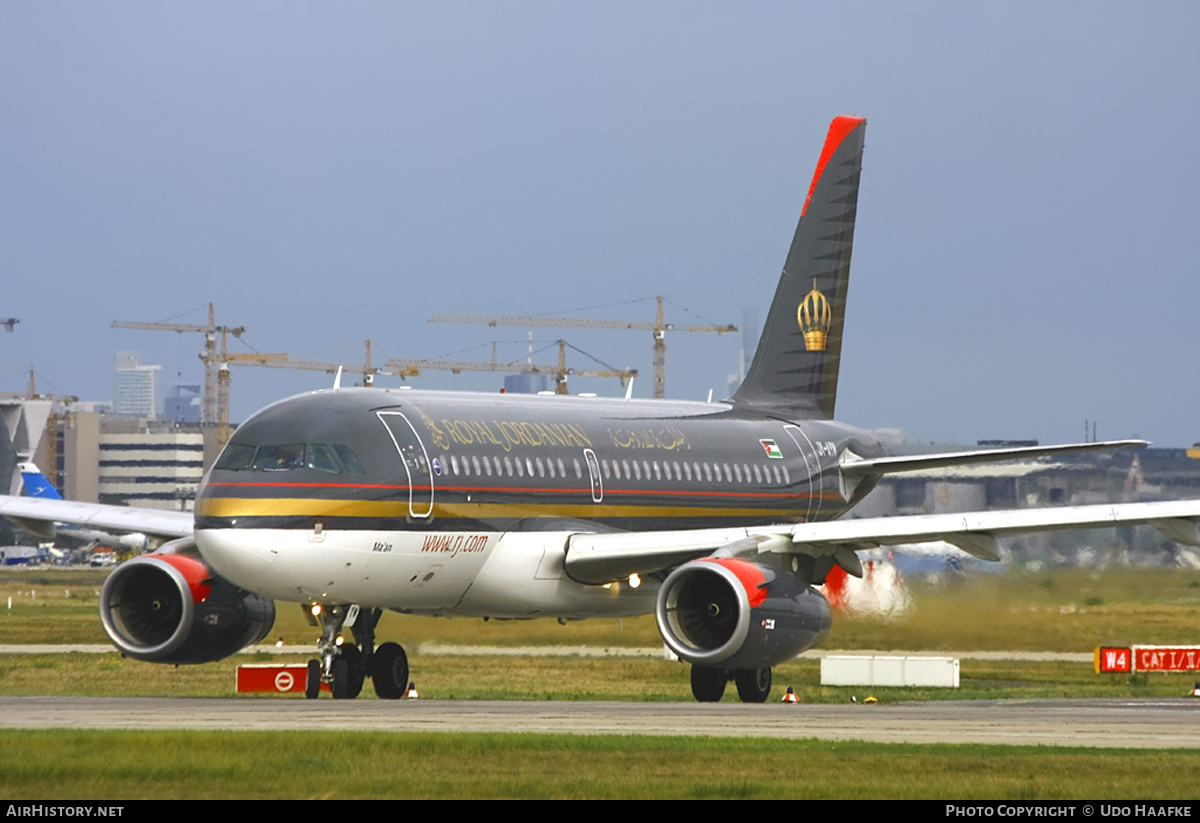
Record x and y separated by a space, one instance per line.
133 461
102 458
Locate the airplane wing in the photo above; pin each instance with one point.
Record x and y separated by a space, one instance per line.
855 466
603 558
37 514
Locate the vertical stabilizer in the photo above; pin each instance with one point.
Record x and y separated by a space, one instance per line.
36 484
796 363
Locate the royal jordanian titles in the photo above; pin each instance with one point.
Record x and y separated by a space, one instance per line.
721 518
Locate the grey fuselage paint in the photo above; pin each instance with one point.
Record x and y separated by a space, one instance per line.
442 461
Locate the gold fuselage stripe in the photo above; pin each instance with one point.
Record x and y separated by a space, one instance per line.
233 507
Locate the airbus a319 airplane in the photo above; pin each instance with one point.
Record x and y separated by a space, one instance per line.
720 518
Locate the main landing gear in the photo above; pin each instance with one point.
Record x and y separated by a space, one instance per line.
753 685
345 665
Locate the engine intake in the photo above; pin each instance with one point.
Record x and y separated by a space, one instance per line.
173 609
738 614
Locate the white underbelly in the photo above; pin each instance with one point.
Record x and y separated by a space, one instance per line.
484 574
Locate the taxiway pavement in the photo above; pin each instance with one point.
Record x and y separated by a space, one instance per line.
1110 723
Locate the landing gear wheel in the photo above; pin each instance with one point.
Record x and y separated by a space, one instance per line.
341 679
708 684
312 685
354 669
753 685
389 671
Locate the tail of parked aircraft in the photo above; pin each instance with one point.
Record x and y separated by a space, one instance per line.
796 364
36 484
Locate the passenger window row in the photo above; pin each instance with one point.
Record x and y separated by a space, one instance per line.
509 466
338 458
774 473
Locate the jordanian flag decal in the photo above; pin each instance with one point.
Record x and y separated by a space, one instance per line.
771 449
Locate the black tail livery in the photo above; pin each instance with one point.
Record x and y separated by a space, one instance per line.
796 364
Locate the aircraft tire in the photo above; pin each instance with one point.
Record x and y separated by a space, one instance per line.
354 670
341 679
389 671
753 685
312 684
708 685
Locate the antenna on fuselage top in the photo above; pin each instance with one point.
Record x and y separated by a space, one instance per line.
337 379
629 389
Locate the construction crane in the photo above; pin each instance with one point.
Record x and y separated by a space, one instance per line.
210 356
59 405
283 361
412 368
658 327
223 359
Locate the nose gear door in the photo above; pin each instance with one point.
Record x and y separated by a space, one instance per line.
415 460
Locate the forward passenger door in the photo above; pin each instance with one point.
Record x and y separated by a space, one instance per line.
416 462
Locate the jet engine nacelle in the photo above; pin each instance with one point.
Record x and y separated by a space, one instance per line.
738 614
173 609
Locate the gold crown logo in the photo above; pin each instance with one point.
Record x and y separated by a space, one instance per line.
814 316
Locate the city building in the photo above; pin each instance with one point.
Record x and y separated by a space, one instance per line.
135 386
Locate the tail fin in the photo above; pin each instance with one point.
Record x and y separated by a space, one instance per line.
36 484
796 363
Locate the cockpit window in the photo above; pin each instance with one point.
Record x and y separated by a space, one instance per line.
279 458
320 457
333 458
236 456
349 459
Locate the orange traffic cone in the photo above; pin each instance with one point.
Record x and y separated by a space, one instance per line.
411 693
790 697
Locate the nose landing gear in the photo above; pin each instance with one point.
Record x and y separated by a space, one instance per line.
344 665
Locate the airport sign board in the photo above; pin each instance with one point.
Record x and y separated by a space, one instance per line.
1147 659
272 678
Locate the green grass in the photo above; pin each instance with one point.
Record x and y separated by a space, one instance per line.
494 677
123 765
1068 610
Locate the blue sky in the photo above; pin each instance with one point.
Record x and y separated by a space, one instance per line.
328 172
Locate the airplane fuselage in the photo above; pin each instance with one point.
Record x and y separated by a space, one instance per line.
440 503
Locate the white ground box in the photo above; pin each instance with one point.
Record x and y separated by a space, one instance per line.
931 672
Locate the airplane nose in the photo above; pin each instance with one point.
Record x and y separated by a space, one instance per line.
235 554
